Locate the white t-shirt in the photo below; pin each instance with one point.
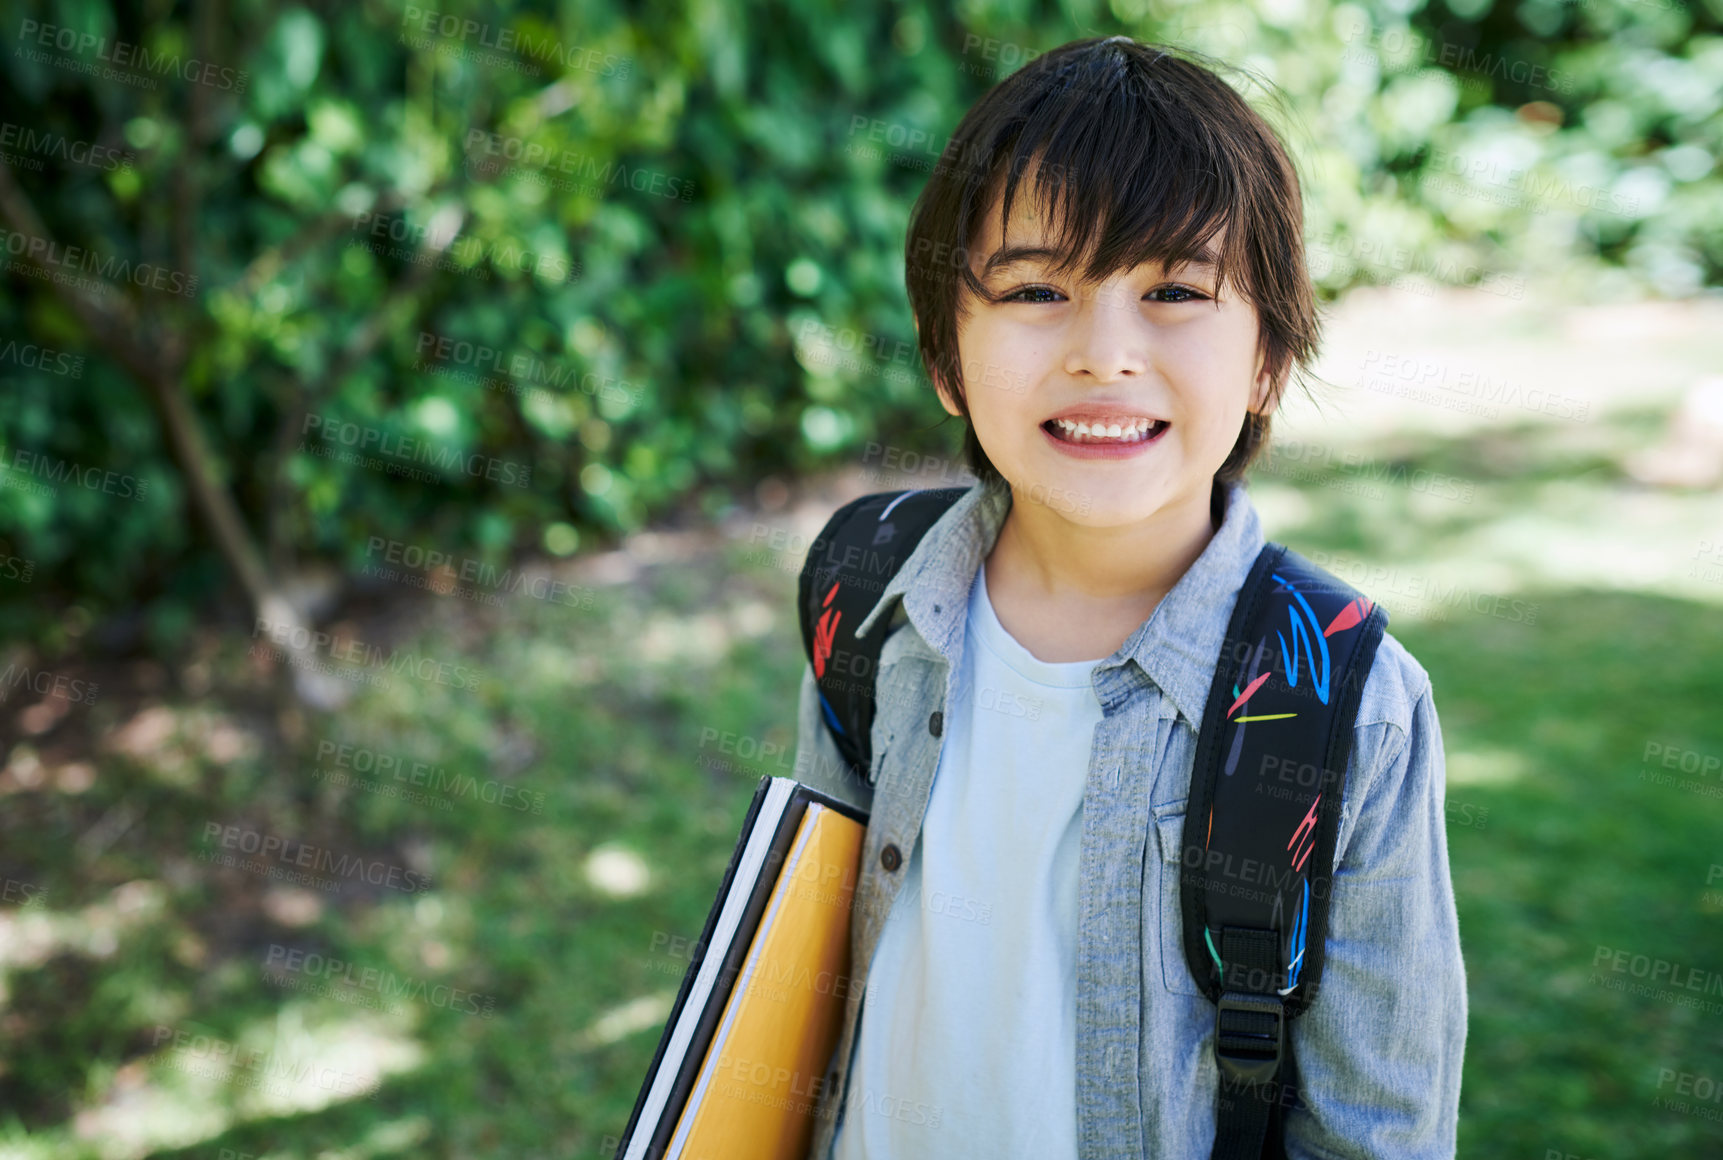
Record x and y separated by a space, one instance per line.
968 1037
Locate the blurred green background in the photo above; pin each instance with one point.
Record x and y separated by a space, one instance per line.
520 351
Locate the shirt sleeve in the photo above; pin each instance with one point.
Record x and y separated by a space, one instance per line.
1379 1051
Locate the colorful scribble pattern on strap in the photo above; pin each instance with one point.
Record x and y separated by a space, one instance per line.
825 632
1311 648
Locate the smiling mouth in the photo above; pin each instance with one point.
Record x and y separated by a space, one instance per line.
1136 431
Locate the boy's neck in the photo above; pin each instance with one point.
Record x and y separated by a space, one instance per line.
1070 593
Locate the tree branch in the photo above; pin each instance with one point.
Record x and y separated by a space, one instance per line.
111 322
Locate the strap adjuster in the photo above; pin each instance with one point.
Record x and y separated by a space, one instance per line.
1250 1034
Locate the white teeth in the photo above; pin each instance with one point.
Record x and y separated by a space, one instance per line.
1134 431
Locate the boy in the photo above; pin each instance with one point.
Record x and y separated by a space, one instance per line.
1126 300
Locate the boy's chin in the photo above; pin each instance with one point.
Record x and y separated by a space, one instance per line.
1116 507
1086 509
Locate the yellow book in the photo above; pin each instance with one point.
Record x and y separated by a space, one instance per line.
760 1083
739 1068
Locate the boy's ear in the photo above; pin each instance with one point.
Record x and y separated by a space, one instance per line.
946 399
1264 399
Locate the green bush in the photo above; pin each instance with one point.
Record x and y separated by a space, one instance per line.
583 270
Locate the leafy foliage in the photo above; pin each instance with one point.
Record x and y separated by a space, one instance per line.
583 268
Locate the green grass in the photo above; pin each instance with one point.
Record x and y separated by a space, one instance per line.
603 711
1577 853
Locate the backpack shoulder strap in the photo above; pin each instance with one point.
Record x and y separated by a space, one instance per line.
1261 823
860 549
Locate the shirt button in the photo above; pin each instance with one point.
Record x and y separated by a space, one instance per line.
936 723
890 857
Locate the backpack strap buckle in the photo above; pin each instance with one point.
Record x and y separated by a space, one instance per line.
1250 1036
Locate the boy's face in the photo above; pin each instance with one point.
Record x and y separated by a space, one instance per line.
1148 343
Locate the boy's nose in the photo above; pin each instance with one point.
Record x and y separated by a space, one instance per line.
1107 339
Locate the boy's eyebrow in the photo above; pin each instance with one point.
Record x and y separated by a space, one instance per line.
1010 255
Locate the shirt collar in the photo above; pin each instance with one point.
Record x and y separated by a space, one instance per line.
1176 647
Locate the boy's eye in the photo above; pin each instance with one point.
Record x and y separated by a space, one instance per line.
1189 295
1021 295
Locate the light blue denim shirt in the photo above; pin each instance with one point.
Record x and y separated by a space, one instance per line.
1378 1054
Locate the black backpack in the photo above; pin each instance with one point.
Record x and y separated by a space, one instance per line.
1264 806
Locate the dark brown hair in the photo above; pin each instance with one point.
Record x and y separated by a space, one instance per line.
1140 154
